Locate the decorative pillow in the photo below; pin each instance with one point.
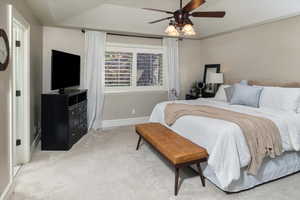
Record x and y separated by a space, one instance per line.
286 99
244 82
246 95
221 96
229 92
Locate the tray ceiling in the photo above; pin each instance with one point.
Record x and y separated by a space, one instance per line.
127 15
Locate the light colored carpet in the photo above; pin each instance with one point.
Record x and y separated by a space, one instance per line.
106 166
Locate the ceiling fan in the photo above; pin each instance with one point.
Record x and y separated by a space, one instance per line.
180 19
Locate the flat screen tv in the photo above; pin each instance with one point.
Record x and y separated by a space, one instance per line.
65 70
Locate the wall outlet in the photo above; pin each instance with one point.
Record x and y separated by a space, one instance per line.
133 112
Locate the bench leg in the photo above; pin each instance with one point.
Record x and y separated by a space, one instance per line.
176 180
138 144
201 174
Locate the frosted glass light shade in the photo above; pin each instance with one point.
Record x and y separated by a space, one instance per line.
188 30
172 31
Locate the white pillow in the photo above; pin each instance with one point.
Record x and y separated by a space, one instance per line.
286 99
221 95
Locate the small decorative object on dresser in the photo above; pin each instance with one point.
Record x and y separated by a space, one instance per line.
64 119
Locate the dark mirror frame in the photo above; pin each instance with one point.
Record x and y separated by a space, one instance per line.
211 66
4 66
217 68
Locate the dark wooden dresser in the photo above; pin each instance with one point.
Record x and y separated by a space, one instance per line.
64 119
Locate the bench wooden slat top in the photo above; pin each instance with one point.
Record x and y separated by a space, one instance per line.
174 147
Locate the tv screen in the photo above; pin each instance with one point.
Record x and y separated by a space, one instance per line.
65 70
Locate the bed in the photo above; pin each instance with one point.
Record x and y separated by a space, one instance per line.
228 151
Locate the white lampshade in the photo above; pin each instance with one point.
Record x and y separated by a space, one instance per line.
215 78
171 30
188 30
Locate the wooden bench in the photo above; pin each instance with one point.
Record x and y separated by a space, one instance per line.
175 148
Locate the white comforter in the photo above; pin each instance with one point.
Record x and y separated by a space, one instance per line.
224 140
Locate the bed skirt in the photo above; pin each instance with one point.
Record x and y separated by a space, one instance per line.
270 170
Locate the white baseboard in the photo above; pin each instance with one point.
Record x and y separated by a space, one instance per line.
7 192
124 122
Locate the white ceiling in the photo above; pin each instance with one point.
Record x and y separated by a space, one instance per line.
127 15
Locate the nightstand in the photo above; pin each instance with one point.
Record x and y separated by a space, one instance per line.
190 97
208 95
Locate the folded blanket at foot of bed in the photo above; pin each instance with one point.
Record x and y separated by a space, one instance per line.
261 134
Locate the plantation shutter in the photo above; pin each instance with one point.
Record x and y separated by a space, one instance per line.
118 69
149 69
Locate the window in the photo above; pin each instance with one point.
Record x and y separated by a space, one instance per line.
149 69
118 69
133 68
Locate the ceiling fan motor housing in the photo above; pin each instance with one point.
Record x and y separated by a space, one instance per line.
182 18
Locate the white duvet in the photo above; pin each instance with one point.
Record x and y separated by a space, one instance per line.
224 141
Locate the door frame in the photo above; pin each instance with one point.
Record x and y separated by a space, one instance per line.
25 154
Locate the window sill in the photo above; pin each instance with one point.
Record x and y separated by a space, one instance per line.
116 91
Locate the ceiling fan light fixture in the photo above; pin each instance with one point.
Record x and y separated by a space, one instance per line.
188 30
182 24
190 33
174 33
171 30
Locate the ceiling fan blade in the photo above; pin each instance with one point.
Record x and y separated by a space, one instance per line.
209 14
192 5
159 10
153 22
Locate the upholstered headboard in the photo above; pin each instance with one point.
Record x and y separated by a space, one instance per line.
287 84
266 83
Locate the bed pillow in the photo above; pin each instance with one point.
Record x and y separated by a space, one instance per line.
246 95
229 90
229 93
221 95
244 82
286 99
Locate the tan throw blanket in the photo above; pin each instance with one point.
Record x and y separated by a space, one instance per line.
262 135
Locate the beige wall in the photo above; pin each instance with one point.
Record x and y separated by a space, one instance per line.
121 105
190 64
267 52
67 40
4 110
35 67
117 105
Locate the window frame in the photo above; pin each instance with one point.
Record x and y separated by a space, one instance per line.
135 49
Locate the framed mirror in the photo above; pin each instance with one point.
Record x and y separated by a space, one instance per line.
213 68
4 50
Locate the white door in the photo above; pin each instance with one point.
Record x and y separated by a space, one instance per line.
18 62
19 112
